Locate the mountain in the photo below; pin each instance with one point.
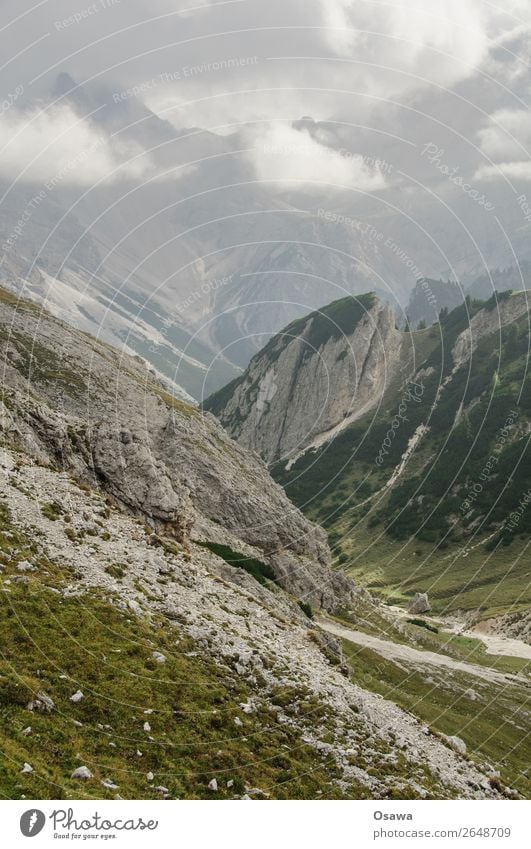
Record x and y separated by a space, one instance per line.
312 380
424 486
157 640
515 277
179 253
105 417
429 297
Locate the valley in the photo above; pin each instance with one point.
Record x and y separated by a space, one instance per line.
158 601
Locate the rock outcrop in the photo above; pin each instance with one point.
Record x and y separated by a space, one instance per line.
77 403
419 604
491 319
312 380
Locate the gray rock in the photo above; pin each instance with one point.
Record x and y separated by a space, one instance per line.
457 744
25 566
42 703
213 785
83 773
419 604
26 769
76 697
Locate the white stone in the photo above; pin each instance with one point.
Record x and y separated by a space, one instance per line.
76 697
457 744
82 772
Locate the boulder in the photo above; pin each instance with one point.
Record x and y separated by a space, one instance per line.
83 773
457 745
76 697
419 604
42 703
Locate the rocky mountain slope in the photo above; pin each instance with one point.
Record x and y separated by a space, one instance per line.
135 669
313 379
436 472
149 646
76 402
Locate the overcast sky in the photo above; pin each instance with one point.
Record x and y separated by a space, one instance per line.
375 72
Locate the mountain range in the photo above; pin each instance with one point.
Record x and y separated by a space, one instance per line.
181 254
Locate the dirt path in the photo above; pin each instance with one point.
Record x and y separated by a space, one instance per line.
495 644
407 654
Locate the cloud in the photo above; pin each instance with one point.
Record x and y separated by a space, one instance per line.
508 136
286 155
509 170
56 146
453 33
507 141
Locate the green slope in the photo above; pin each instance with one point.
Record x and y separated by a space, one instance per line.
457 522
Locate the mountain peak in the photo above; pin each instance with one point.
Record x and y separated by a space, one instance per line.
313 378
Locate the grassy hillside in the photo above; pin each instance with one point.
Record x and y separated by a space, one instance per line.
456 522
56 644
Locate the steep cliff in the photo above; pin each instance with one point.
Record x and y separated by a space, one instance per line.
313 379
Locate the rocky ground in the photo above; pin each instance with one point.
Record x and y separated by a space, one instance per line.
252 631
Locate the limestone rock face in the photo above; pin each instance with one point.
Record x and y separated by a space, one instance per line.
106 419
317 376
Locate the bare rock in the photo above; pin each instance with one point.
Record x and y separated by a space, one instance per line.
76 697
83 773
419 604
42 703
457 744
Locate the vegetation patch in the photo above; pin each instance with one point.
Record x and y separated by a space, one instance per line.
261 571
